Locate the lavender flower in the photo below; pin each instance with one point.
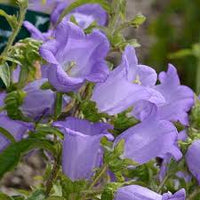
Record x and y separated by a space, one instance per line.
14 127
75 57
126 85
193 159
149 139
81 148
84 15
136 192
38 103
178 99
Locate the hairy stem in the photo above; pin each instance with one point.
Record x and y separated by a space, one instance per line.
15 32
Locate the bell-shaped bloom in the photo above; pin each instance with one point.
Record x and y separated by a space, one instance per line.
126 85
37 102
84 15
16 128
149 139
193 159
82 151
136 192
178 99
75 57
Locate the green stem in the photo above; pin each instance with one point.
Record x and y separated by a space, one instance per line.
103 170
53 175
194 194
95 181
198 76
14 33
162 183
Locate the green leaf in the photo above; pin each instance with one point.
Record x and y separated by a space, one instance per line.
44 129
5 74
10 157
4 197
7 135
122 122
72 189
46 86
12 20
119 148
12 102
58 104
181 54
138 20
37 195
90 111
78 3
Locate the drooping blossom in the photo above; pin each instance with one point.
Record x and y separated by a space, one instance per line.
178 99
149 139
136 192
126 84
75 57
82 152
193 159
16 128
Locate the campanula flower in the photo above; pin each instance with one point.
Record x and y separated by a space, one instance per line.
149 139
136 192
75 57
16 128
84 15
37 102
82 151
179 99
126 85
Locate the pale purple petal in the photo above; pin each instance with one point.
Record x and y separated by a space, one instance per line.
119 91
82 152
38 103
160 139
85 15
179 98
14 127
136 192
36 33
179 195
85 52
193 159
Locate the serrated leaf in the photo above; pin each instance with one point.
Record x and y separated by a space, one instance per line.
10 157
119 148
5 74
78 3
